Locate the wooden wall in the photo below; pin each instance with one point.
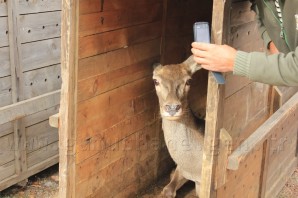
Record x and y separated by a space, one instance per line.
29 87
118 136
110 131
245 106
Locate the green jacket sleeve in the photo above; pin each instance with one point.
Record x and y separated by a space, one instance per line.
262 29
276 69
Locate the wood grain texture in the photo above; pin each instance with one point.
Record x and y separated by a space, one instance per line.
3 8
40 26
68 109
34 6
5 91
214 110
101 43
42 81
99 22
263 132
27 107
4 62
3 31
110 61
40 54
92 6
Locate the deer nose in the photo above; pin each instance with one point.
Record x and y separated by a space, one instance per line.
172 108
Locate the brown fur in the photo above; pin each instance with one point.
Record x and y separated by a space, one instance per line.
184 138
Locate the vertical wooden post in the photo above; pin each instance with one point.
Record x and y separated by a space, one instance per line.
17 85
215 98
67 126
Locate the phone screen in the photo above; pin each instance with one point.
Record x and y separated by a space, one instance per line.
201 32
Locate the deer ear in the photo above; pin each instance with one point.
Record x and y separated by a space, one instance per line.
155 65
191 65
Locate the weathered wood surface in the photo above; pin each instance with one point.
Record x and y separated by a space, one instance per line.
27 107
255 141
4 31
24 18
101 43
34 27
41 81
3 8
99 22
54 120
34 6
5 91
4 62
214 110
40 54
68 108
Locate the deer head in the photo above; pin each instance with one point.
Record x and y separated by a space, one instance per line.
172 84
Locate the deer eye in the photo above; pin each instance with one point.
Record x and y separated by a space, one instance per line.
188 82
156 83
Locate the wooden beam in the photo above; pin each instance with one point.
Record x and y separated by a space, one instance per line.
256 140
68 105
26 107
225 148
54 120
215 98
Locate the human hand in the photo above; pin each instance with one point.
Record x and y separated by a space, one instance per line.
272 48
213 57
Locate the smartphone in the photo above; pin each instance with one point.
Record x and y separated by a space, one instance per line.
202 35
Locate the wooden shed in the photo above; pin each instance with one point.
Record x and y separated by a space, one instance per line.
30 83
111 143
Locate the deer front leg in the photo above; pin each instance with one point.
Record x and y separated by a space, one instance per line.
177 180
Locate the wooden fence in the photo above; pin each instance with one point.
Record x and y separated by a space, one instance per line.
29 87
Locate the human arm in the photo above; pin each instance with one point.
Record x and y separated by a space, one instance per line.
275 69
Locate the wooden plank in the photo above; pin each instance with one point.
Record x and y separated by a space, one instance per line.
54 120
34 6
263 132
6 171
91 6
214 110
114 134
3 32
39 136
117 59
42 81
40 54
27 107
88 110
111 20
39 26
3 8
281 95
6 129
68 108
5 91
101 43
6 149
13 179
247 106
241 13
245 181
246 32
40 116
42 154
4 62
285 172
96 85
225 148
234 84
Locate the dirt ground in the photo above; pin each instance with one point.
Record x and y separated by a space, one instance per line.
45 185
